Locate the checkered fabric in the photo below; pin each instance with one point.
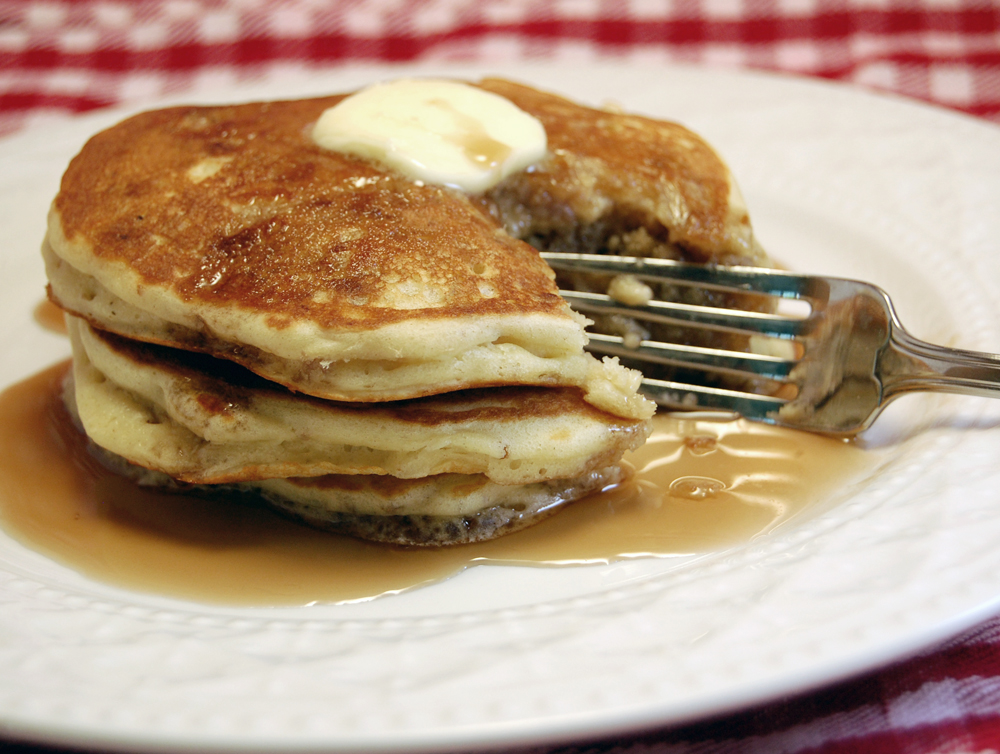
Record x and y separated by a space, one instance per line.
75 56
944 702
58 58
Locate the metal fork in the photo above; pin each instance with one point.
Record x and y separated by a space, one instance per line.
847 357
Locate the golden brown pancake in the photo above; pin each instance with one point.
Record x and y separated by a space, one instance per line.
444 509
227 230
494 509
203 420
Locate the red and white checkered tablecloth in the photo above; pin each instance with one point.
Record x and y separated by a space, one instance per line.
76 56
59 58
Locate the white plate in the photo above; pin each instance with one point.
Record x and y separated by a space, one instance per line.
838 181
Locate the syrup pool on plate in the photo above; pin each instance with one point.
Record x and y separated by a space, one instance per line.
700 485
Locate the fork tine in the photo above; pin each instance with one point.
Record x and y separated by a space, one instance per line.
669 312
716 277
709 359
740 280
678 395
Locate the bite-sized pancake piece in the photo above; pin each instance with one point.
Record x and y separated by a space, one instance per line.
228 230
207 421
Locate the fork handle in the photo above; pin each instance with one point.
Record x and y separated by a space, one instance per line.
910 364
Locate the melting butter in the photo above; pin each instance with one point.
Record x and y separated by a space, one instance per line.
436 131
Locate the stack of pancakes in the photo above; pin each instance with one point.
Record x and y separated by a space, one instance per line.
252 312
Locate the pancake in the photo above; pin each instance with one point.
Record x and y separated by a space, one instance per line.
227 230
201 420
503 510
434 511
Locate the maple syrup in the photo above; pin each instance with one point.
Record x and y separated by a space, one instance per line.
700 485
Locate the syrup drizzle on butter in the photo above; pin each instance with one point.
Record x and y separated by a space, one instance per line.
435 131
473 138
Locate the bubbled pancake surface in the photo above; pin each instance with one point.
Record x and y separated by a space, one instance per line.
227 230
236 206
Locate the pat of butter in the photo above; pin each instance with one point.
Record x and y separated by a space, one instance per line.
436 131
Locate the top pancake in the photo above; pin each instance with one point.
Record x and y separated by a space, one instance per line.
228 230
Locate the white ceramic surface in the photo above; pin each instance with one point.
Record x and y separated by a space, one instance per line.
838 181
